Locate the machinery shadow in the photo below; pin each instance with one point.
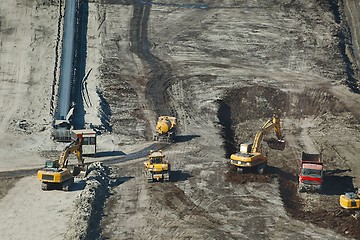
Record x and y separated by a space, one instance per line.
119 180
77 186
185 138
281 174
337 185
79 92
179 176
110 154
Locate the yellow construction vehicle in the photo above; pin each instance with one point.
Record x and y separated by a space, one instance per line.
350 200
250 155
56 174
165 129
157 168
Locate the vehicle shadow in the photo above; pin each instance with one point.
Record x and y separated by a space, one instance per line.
283 175
109 154
114 182
179 176
185 138
337 185
78 186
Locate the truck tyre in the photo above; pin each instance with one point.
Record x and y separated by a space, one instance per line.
166 177
44 186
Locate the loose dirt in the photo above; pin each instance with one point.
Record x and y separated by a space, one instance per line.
222 68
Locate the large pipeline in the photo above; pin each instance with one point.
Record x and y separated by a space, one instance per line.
67 57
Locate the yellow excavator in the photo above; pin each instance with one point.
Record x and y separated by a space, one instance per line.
350 200
250 155
157 168
56 174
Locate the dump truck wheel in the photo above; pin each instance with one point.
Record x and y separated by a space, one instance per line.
166 177
44 186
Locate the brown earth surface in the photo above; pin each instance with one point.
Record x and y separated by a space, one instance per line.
222 68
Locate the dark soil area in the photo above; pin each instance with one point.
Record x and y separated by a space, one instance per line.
244 107
6 184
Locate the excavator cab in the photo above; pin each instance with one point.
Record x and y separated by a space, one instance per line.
51 164
350 200
246 147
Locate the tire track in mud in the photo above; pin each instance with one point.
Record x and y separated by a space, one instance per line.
346 45
160 77
188 217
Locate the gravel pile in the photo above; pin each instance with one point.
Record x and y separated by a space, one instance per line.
85 220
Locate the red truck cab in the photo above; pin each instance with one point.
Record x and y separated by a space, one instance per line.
311 173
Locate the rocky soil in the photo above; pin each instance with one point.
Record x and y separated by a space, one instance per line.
222 68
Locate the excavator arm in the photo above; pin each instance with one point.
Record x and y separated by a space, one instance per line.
273 123
73 147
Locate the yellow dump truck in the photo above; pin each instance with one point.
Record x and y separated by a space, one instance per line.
157 168
165 129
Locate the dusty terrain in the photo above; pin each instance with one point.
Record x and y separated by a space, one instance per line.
222 68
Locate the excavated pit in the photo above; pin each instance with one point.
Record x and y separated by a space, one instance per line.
243 111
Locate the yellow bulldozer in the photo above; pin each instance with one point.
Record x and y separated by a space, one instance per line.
56 174
165 129
157 168
250 155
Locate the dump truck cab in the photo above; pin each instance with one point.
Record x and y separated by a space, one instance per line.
311 173
157 168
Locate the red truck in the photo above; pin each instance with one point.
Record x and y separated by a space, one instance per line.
311 173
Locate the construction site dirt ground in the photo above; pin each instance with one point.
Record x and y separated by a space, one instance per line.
222 68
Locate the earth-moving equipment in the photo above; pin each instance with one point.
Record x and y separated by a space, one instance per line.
165 129
311 173
350 200
56 174
250 155
157 168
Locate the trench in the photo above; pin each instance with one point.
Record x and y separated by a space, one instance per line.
239 113
79 90
345 42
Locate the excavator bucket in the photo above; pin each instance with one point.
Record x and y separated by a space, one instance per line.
275 144
79 171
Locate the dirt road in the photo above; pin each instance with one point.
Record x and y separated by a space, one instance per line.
232 64
222 68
